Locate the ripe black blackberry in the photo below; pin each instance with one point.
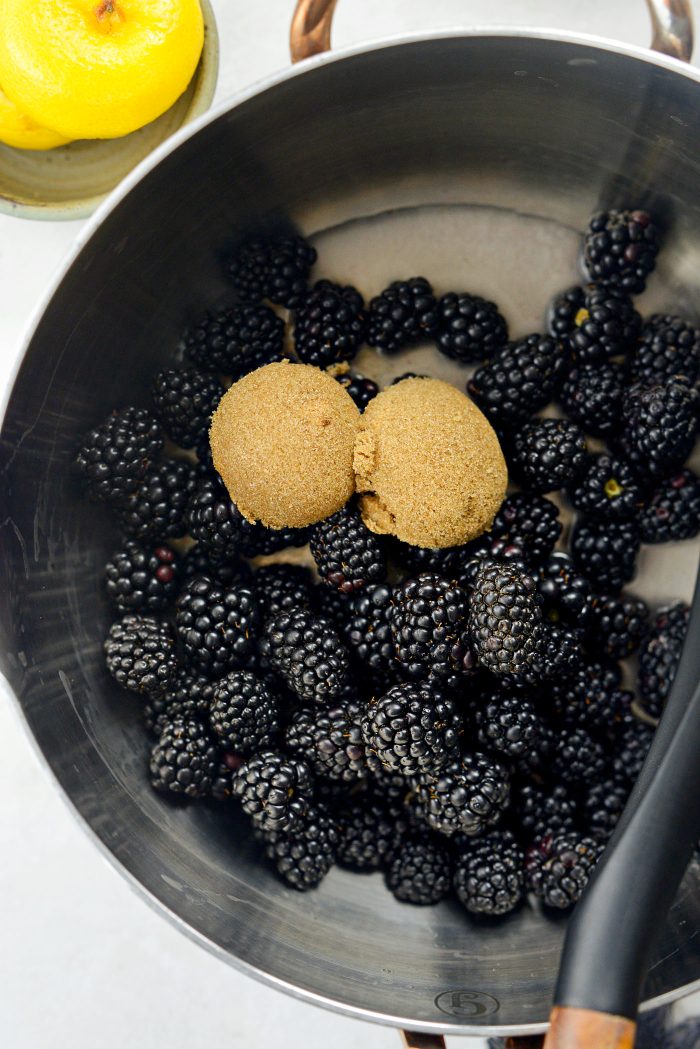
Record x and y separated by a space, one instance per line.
508 724
607 489
184 399
156 511
274 789
217 626
560 653
305 852
188 697
141 579
368 833
603 805
660 655
418 560
632 748
559 868
660 424
116 455
402 314
470 329
429 625
592 396
281 587
184 760
606 552
140 654
673 510
668 346
361 389
257 540
307 653
520 379
617 625
348 556
579 760
368 630
505 619
597 322
535 763
620 249
329 324
466 796
548 454
274 268
330 740
222 783
244 713
540 811
412 728
489 874
565 592
332 605
224 571
590 698
419 871
236 340
530 522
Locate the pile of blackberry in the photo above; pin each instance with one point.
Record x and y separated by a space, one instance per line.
456 719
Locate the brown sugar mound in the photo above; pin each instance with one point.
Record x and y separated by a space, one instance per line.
430 465
282 440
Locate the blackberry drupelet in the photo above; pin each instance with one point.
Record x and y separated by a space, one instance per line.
368 833
660 424
620 249
274 789
184 399
245 714
402 314
157 509
429 625
305 852
668 346
559 868
565 592
590 698
236 340
470 329
592 396
140 654
520 379
579 760
361 389
606 552
672 512
140 579
505 619
188 697
489 874
597 322
606 489
224 571
540 811
281 587
307 653
412 728
275 268
508 724
529 522
660 655
348 556
184 760
217 625
330 740
603 805
548 454
632 748
466 796
116 455
419 871
367 631
617 625
329 325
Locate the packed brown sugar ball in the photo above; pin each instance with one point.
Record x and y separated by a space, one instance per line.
429 464
282 440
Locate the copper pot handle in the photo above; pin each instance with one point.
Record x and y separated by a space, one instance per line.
671 23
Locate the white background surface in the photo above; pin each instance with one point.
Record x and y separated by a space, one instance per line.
83 961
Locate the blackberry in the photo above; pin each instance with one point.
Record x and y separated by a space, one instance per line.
281 587
606 552
660 655
332 605
429 625
489 875
620 249
417 560
139 579
668 346
579 760
274 789
470 329
536 762
607 489
419 871
592 396
217 626
305 852
508 724
597 322
467 796
565 592
505 619
659 426
184 400
329 325
348 556
412 728
368 834
236 340
307 653
402 314
214 521
560 867
225 572
187 697
529 522
157 510
560 653
258 540
673 510
276 268
117 454
330 740
184 760
632 748
361 390
368 630
548 454
590 698
540 811
140 654
244 713
520 379
617 625
603 805
222 783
